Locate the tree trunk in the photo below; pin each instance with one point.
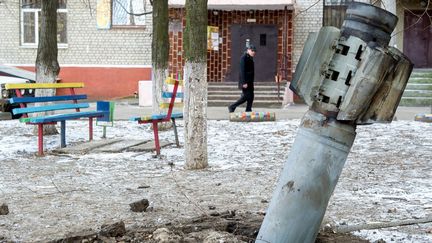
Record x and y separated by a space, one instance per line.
160 49
195 77
47 67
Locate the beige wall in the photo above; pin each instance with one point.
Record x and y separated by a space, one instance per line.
308 17
87 45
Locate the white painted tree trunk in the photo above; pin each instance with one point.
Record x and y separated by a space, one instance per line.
195 115
158 79
45 75
47 66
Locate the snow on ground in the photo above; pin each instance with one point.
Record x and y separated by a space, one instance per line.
387 177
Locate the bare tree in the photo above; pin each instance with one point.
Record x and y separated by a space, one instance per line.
47 66
195 76
160 49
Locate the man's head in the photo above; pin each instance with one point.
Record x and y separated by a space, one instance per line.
251 50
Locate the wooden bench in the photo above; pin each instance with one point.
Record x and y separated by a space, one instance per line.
36 115
164 117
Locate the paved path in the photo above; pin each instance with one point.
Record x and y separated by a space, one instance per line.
126 108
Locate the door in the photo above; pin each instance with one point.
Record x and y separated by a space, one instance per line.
264 38
418 38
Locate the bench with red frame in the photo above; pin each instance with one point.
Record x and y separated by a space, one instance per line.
154 119
37 115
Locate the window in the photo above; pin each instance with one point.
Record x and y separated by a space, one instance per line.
334 12
263 39
31 19
128 13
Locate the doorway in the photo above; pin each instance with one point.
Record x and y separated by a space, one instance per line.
417 38
264 38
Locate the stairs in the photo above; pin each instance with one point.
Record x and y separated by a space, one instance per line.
417 93
419 89
225 93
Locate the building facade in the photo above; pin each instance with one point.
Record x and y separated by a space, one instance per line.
109 55
107 48
230 31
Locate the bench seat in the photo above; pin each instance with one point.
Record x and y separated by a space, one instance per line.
66 108
156 117
62 117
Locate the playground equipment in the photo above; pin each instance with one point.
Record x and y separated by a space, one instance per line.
107 121
347 77
252 116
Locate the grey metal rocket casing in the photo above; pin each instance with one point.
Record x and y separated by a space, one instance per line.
307 180
347 77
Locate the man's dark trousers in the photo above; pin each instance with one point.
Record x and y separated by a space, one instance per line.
247 96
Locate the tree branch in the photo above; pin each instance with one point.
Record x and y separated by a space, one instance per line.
370 226
425 12
311 6
130 13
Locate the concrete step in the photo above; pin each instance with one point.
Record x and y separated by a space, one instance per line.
416 101
421 73
238 92
417 93
421 86
225 87
257 97
226 93
419 89
235 84
421 80
256 103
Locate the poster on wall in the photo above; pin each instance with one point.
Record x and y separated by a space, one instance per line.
103 14
213 38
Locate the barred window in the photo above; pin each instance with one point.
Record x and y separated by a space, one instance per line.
31 19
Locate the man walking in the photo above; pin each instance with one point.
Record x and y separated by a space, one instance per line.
246 80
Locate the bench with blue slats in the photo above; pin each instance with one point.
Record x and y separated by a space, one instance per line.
38 115
154 119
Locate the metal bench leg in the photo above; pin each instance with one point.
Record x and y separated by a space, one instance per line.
90 128
63 134
175 132
156 137
40 139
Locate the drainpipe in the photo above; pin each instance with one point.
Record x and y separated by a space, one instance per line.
348 77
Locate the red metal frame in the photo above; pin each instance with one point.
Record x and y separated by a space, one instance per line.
40 125
72 91
90 128
167 118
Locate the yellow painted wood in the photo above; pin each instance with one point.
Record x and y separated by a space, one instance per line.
170 80
44 85
146 118
166 105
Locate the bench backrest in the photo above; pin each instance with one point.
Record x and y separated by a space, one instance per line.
175 94
23 101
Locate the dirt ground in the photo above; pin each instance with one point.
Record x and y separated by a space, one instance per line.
228 226
86 197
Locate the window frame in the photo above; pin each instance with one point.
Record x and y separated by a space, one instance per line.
127 26
338 6
37 12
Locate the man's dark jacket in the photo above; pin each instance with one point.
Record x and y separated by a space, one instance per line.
247 71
